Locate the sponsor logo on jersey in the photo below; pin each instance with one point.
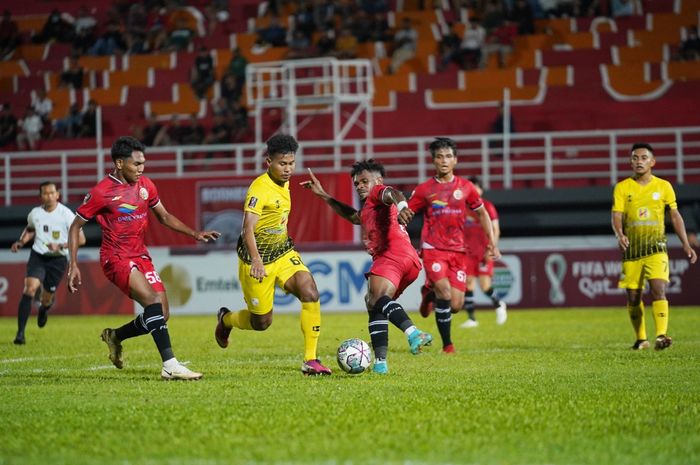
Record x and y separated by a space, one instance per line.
458 194
127 208
656 196
438 204
643 213
143 193
116 197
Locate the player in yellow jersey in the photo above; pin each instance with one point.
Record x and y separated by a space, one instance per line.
266 257
639 205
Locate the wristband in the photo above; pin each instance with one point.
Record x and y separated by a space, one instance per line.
401 205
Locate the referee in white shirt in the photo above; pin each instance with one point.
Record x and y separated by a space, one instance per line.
48 225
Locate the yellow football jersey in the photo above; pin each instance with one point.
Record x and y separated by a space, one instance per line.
643 209
272 203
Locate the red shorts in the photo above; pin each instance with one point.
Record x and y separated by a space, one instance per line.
401 270
475 266
441 264
118 270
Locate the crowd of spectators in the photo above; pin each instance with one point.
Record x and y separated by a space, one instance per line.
335 28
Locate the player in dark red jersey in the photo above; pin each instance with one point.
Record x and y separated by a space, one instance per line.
444 200
120 204
478 265
395 263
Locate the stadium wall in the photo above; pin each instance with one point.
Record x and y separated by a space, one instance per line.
546 273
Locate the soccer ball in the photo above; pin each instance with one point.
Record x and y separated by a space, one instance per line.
354 356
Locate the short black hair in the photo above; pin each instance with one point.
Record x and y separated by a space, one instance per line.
642 145
281 143
367 165
125 146
476 181
442 143
46 183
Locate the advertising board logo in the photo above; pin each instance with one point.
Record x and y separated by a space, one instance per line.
178 283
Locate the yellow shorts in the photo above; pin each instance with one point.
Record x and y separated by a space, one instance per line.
259 296
636 272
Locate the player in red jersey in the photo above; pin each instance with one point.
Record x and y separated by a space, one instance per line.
444 201
478 264
120 204
395 263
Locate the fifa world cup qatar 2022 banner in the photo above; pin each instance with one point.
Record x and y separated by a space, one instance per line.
200 283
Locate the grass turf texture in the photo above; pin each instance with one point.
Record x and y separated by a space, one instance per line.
549 387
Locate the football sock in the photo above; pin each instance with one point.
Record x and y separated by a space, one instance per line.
310 327
636 313
239 319
155 322
469 304
394 312
660 310
134 328
443 318
378 327
491 295
23 311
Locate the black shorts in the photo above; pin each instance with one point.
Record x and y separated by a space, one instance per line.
47 269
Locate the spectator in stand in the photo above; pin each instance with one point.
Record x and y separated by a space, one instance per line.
8 125
345 45
448 47
202 73
30 130
68 126
73 76
88 123
220 107
110 41
361 26
304 19
374 6
230 89
324 14
220 132
239 120
499 41
274 35
326 43
85 25
237 65
193 133
217 12
472 44
690 47
151 134
379 28
174 132
156 33
404 46
42 106
9 35
498 128
523 16
136 28
299 46
180 37
55 29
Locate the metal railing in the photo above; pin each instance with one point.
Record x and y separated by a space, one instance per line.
551 160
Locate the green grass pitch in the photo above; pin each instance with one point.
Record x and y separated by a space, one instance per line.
549 387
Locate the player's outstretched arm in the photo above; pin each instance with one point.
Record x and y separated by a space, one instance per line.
679 228
391 195
76 238
174 223
342 209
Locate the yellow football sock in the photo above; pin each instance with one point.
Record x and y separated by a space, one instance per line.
660 310
310 327
636 313
239 319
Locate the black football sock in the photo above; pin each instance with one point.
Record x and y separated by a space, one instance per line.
443 319
155 322
134 328
394 312
379 334
23 311
469 304
494 297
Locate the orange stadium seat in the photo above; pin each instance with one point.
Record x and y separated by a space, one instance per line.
111 96
155 60
628 79
13 68
32 52
130 78
30 23
653 54
684 70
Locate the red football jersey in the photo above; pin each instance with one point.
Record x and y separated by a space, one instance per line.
121 209
444 207
474 234
381 231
